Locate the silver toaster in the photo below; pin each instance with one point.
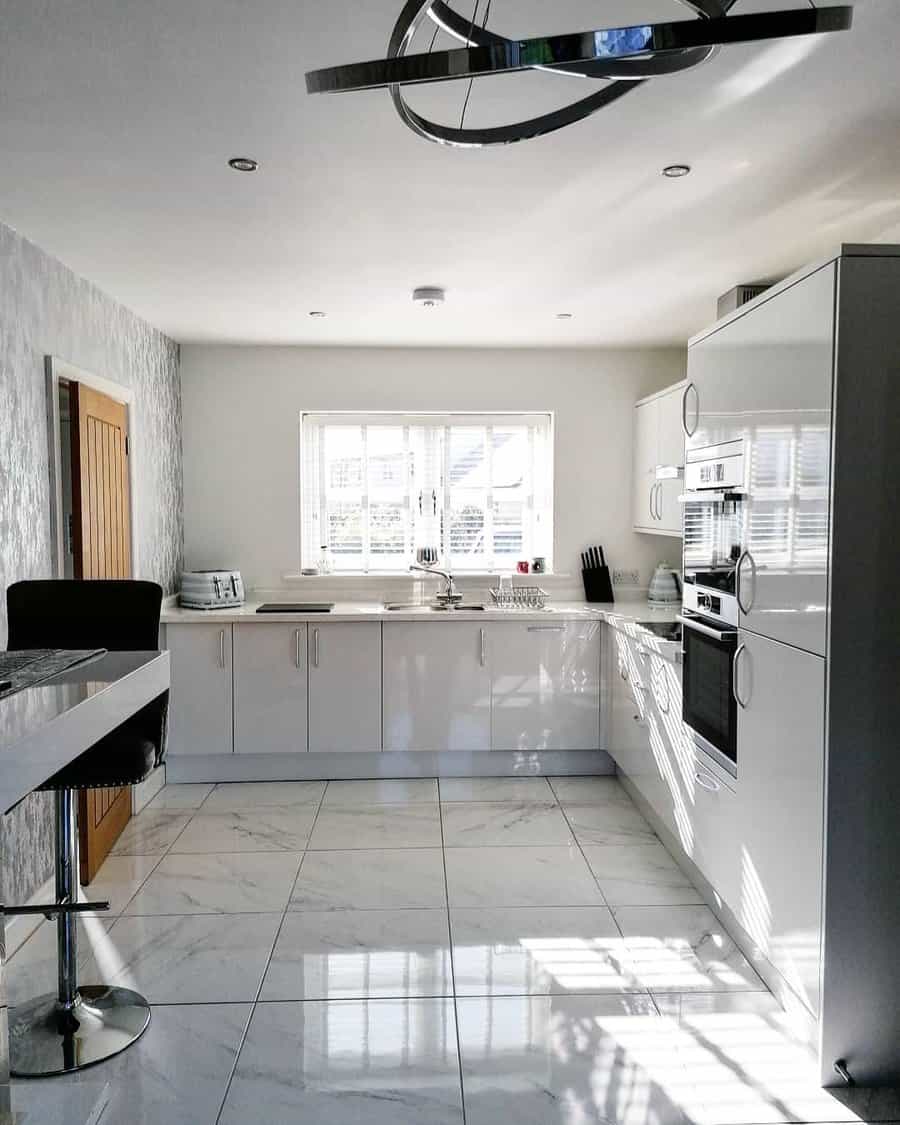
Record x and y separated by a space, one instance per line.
211 589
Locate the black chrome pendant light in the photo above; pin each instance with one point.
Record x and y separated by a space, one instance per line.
622 57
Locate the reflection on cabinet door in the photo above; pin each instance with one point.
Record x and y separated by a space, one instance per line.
269 688
200 696
344 686
545 686
437 686
714 820
781 760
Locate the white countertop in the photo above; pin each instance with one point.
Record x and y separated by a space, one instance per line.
614 613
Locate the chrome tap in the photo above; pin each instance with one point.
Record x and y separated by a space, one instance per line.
451 596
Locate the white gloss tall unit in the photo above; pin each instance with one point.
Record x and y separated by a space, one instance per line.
807 378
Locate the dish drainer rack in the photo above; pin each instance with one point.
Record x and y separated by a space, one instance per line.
519 597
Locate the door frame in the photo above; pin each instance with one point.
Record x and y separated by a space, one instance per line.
56 369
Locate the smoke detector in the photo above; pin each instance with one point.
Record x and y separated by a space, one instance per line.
428 297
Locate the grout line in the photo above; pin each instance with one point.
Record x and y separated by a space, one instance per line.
459 1063
265 971
578 844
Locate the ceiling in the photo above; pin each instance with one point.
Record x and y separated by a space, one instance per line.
117 118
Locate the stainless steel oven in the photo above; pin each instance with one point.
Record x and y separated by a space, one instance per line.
713 545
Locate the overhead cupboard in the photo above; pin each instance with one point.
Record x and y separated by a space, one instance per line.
799 842
658 462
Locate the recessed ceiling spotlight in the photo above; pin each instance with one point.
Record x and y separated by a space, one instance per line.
676 171
564 316
243 164
428 296
318 314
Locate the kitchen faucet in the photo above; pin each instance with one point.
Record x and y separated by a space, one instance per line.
451 596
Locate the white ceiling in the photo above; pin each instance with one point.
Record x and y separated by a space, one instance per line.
117 118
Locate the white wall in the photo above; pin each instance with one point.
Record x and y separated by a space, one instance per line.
241 437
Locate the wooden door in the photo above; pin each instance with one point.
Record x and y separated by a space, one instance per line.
101 534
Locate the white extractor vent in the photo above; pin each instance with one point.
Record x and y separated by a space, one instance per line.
740 295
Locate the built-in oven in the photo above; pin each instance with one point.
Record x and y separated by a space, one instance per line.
714 513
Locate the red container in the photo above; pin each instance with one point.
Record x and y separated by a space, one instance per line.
522 566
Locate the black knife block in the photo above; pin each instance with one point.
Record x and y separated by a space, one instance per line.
597 585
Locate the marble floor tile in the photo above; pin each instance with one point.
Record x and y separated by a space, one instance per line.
589 790
503 823
32 970
378 1062
236 795
229 883
189 959
120 877
376 879
176 1074
151 832
383 791
252 830
683 949
614 822
520 876
181 796
360 954
532 951
640 875
377 826
517 789
569 1060
747 1066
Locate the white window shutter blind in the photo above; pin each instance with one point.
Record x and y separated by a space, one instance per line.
477 489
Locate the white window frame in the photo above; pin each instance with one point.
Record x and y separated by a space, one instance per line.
309 549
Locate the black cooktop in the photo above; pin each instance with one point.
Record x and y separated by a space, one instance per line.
667 630
296 607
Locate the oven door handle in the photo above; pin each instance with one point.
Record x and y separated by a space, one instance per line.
706 630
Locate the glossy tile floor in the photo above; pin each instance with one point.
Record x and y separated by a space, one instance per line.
409 953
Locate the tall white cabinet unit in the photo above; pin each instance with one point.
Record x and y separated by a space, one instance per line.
658 450
808 376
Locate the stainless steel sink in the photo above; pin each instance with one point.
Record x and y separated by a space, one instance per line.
418 607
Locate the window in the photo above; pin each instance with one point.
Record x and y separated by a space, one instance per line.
477 489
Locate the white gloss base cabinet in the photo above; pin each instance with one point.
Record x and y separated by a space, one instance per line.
545 685
270 713
200 698
437 686
781 739
344 687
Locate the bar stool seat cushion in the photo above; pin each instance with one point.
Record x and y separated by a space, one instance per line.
121 758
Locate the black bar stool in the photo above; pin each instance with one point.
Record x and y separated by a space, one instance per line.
76 1027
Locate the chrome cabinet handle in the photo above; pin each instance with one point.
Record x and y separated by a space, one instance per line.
735 667
652 493
483 657
221 648
315 648
745 556
684 425
658 502
707 782
298 659
545 629
623 672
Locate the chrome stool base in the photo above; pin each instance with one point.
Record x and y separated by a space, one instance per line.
45 1039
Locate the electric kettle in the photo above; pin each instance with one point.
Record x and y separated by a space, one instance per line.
665 587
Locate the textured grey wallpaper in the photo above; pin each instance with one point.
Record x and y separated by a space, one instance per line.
45 309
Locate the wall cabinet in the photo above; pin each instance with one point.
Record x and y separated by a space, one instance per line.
545 685
201 693
270 688
658 441
437 686
781 749
344 686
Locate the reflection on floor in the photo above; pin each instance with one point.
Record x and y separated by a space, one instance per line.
399 953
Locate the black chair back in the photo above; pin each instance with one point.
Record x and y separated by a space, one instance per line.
121 615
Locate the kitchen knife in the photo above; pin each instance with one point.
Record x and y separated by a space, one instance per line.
584 565
602 557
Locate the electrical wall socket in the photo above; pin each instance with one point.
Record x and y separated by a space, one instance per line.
626 577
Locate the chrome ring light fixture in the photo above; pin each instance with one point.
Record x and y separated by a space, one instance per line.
624 57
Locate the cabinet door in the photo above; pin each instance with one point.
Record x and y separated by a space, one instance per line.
767 378
713 809
437 686
646 437
629 725
269 688
781 759
201 692
670 453
345 687
545 686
